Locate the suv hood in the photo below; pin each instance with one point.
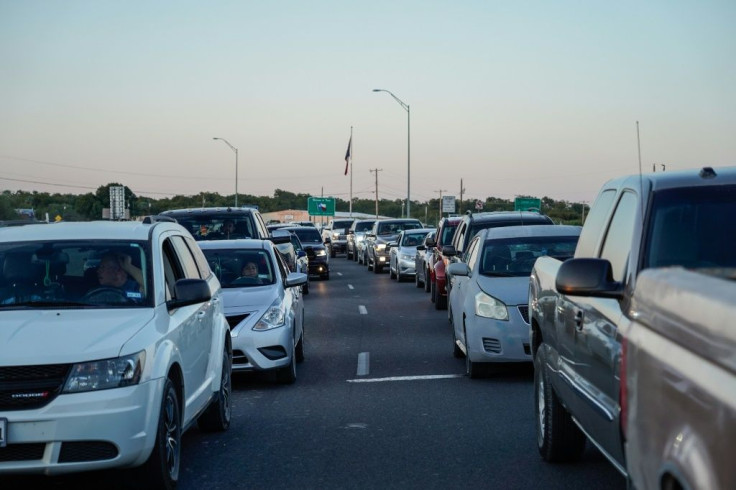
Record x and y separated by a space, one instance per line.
67 336
511 290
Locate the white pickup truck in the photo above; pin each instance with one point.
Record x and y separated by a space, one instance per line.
580 309
679 368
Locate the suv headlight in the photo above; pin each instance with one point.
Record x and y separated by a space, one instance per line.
274 317
489 307
106 374
335 235
380 247
320 253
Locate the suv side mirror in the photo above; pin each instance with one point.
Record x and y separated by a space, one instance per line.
189 292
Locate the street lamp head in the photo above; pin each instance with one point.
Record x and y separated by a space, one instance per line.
378 90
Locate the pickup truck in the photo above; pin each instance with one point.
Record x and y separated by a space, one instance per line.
680 379
580 309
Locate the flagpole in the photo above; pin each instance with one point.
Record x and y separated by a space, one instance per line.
351 171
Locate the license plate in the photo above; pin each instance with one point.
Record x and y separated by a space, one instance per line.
3 432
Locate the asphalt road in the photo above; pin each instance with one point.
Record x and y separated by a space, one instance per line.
379 402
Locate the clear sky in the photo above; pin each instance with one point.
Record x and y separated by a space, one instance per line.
537 98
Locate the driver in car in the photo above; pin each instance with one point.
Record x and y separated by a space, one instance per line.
118 271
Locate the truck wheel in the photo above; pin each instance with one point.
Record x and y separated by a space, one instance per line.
558 438
427 281
417 282
440 302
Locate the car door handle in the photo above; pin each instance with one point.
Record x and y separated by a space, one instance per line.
579 320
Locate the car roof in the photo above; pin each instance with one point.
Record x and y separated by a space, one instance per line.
419 230
196 211
530 231
530 216
84 230
242 243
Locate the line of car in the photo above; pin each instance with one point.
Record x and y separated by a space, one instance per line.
475 266
97 376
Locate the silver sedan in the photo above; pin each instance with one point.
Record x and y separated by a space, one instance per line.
401 253
488 302
263 305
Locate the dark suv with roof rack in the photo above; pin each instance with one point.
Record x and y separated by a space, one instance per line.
221 223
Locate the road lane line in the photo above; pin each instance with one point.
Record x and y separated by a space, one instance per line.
363 364
406 378
350 286
362 310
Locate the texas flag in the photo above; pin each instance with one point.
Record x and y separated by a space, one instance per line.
347 154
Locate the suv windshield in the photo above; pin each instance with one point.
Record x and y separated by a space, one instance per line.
307 235
102 273
397 227
218 227
363 226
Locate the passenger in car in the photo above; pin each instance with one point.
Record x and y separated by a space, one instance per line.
250 271
118 271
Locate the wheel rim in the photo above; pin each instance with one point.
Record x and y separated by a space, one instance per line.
541 409
171 428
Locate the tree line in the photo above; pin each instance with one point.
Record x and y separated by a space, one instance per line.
87 207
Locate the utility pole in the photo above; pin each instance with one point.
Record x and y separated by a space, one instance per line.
376 170
440 191
462 190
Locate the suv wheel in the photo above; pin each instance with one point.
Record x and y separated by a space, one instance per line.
218 414
162 468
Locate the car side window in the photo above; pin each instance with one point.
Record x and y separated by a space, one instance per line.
618 238
594 223
472 253
283 268
188 264
172 269
457 239
260 225
199 258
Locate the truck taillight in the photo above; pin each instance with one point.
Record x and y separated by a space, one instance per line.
623 392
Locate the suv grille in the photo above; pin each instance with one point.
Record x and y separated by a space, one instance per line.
29 387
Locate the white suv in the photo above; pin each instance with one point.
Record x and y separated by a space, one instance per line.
113 342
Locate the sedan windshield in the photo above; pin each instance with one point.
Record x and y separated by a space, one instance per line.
516 256
237 268
78 273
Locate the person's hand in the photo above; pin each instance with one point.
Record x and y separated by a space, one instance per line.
125 262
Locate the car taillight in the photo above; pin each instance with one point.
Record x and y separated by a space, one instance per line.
623 391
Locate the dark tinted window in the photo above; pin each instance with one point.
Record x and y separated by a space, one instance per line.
692 227
363 226
307 235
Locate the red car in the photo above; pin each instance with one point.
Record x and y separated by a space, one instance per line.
445 231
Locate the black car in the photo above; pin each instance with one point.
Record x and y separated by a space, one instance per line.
220 223
319 262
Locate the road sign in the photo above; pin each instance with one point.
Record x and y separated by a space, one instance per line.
321 206
448 204
527 204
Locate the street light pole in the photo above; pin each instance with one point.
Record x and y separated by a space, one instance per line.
408 148
236 166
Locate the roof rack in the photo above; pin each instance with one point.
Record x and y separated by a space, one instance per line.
158 218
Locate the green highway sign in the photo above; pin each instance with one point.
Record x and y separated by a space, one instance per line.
321 206
527 204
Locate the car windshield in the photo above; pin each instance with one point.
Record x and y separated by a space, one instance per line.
398 227
307 235
336 225
693 227
218 227
516 256
75 273
413 239
239 268
363 226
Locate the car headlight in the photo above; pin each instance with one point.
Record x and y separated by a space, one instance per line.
489 307
274 317
106 374
407 257
380 247
320 253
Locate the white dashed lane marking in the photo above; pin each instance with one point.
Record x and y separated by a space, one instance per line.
362 310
